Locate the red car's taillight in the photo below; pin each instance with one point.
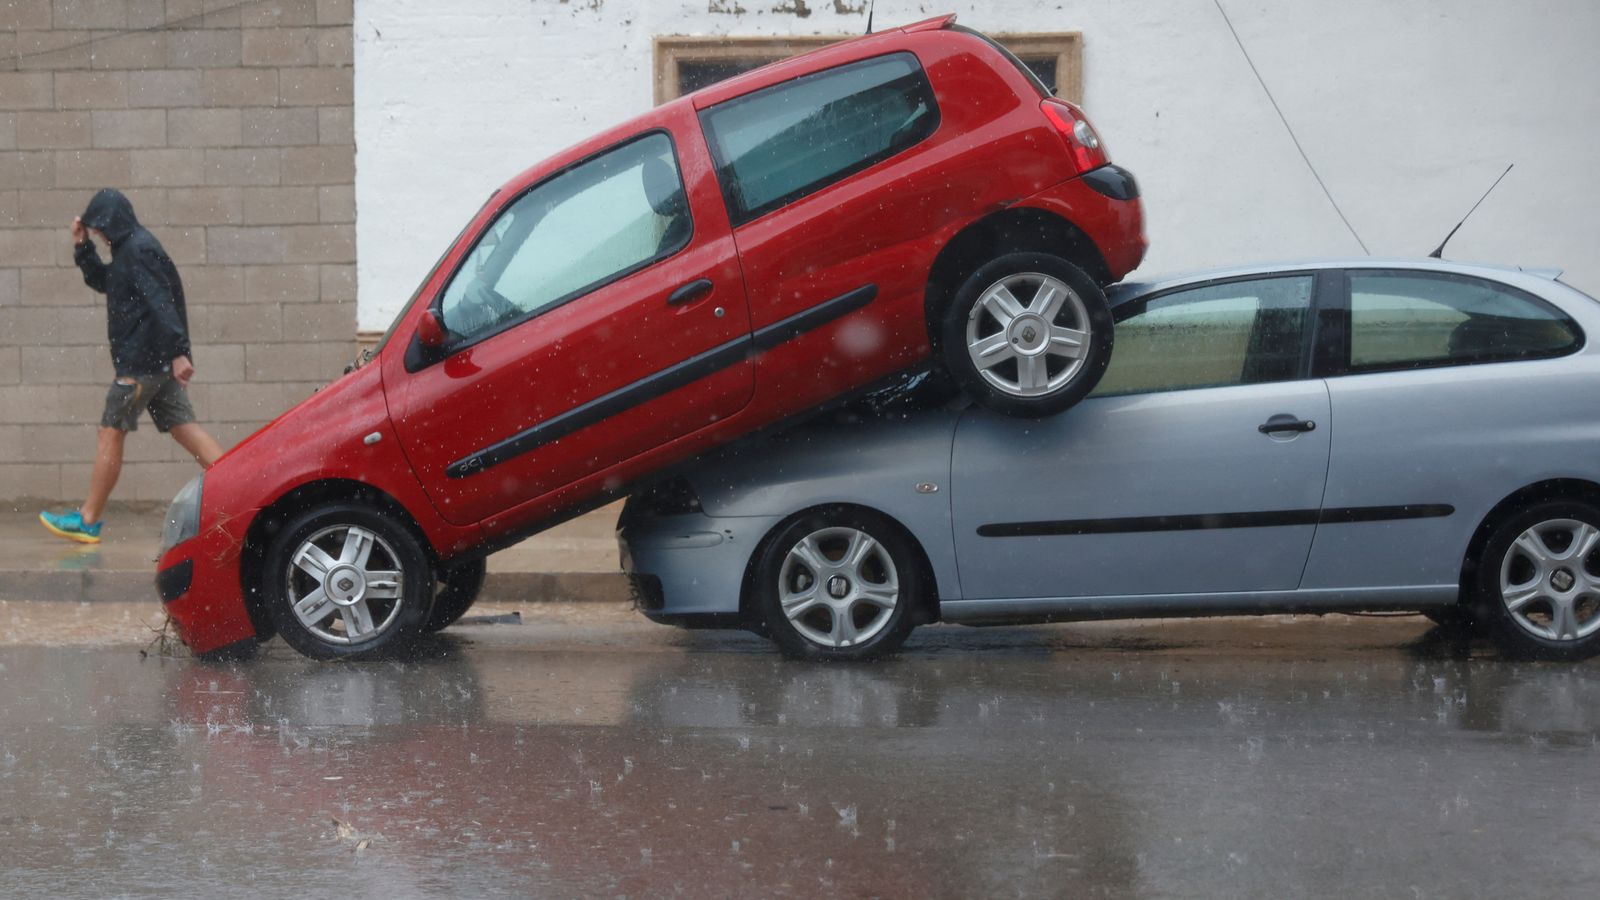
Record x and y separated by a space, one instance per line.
1083 142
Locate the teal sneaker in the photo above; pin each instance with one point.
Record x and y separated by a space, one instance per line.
70 526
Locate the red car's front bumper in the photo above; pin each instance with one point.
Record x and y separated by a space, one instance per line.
199 583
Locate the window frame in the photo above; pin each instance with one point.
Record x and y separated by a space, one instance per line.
1334 360
419 357
738 214
1322 287
671 50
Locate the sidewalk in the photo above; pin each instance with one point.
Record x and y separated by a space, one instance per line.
576 561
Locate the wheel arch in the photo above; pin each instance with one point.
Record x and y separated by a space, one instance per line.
1549 489
1016 229
295 501
927 612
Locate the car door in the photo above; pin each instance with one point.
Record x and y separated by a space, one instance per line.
808 168
1448 399
600 315
1197 466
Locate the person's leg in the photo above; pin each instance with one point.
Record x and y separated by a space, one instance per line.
173 414
121 416
107 468
202 446
123 402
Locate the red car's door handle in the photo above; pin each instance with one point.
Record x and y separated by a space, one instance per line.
690 292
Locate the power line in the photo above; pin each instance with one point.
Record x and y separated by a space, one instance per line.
17 57
1286 127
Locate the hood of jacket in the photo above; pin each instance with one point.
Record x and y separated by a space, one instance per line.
111 214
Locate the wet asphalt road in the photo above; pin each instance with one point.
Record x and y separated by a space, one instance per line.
588 753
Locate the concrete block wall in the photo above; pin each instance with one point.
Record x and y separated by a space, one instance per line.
228 124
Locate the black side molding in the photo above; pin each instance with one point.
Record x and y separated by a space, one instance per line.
815 317
1269 519
1341 514
669 379
604 407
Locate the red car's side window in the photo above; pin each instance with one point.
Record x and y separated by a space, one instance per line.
588 226
781 143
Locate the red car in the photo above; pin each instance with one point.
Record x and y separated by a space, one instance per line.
726 262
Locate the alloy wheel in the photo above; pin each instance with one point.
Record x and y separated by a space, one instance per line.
345 584
1550 580
838 587
1031 348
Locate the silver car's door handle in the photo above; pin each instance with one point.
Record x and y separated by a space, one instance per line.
1286 422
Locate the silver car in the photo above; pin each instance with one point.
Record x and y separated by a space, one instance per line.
1337 436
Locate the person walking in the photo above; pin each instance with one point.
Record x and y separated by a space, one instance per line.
149 331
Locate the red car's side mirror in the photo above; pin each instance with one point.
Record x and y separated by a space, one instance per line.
431 332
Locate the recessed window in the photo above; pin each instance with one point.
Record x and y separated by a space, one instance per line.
1408 320
1240 332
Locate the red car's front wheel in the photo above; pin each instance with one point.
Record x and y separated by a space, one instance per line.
346 581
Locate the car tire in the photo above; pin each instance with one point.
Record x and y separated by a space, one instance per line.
1538 582
858 608
374 578
994 341
458 588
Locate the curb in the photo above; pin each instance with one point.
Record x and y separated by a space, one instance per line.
102 586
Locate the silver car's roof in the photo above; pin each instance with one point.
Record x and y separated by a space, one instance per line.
1132 290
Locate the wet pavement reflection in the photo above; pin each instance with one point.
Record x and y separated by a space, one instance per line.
1190 759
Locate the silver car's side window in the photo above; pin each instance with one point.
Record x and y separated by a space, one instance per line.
1408 320
1239 332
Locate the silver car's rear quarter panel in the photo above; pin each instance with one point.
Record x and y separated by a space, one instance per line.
1467 436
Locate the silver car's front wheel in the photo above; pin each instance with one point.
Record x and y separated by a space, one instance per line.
1549 582
838 582
838 587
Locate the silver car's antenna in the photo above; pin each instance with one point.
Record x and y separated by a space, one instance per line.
870 5
1439 250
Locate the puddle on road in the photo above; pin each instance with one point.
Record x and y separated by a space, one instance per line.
555 757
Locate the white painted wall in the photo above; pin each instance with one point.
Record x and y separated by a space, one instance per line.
1409 110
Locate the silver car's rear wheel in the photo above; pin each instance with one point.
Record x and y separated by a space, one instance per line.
1550 582
838 587
1538 581
1028 334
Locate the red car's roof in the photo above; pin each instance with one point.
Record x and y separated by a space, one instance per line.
811 61
823 57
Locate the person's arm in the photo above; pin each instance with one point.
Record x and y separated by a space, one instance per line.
172 338
83 253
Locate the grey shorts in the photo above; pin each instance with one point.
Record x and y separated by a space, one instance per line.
162 395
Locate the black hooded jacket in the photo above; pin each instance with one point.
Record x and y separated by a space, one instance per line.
145 316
